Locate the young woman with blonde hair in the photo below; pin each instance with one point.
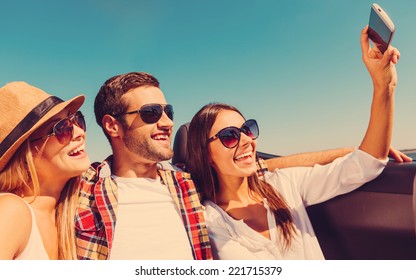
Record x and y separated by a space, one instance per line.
42 155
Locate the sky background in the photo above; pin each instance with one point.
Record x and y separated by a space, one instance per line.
294 66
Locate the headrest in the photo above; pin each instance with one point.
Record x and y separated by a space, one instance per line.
180 146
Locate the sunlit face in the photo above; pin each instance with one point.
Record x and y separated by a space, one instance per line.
149 141
236 162
55 160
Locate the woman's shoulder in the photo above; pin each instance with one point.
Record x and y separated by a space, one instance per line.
9 201
212 211
15 212
211 206
15 224
215 216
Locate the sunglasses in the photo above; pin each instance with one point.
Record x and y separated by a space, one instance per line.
64 129
230 136
151 113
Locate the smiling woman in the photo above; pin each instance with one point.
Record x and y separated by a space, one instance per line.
42 154
254 214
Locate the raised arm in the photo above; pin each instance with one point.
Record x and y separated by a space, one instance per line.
377 139
382 70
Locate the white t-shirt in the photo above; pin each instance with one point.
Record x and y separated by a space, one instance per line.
148 224
300 187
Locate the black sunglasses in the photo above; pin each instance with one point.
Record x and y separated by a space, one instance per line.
230 136
64 129
151 113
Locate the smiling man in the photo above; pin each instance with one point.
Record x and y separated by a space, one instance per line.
128 204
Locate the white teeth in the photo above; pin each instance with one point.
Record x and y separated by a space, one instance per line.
77 150
160 137
243 155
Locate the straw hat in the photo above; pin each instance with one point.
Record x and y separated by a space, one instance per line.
23 109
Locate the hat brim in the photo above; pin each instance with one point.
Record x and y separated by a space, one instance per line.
73 105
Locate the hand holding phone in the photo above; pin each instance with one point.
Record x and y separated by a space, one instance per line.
381 28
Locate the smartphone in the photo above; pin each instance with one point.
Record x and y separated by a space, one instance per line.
381 28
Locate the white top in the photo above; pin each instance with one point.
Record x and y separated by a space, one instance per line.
148 225
300 187
34 250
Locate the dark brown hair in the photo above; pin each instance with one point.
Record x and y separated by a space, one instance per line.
108 100
206 179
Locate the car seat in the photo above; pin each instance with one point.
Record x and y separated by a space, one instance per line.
414 201
180 146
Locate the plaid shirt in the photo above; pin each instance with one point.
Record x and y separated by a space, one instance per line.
97 212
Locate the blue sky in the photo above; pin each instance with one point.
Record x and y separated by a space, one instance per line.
295 66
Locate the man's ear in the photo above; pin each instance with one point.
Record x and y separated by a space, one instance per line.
111 126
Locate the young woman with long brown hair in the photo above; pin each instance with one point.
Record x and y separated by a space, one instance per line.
265 218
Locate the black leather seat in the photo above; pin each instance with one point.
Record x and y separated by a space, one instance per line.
180 146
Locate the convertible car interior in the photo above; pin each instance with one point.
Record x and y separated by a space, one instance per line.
374 222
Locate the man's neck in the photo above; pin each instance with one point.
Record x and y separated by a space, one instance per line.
127 167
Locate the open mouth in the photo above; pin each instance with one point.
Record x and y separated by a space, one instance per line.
77 151
243 156
161 137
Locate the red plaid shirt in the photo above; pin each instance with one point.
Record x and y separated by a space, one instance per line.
97 212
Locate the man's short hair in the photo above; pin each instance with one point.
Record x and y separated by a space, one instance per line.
108 100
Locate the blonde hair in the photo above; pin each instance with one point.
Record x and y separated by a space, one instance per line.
65 223
19 177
